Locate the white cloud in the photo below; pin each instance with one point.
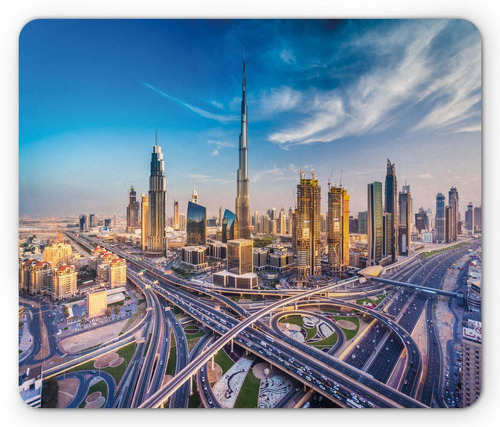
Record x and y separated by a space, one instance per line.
287 56
216 104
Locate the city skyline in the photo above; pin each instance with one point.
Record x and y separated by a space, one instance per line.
448 122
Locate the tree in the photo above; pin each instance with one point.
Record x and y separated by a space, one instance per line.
108 312
50 391
82 321
117 310
66 311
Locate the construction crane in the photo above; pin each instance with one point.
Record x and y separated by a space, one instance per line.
59 233
302 172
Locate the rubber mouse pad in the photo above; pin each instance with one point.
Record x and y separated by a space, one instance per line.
249 213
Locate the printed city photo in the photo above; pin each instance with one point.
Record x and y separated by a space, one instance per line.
250 213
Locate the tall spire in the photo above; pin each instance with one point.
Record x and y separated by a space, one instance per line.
242 201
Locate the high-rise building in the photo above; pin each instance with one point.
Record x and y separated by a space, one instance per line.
92 221
422 221
64 282
58 254
157 239
182 222
196 228
448 224
363 222
387 235
353 225
391 206
132 211
107 222
240 256
453 202
289 222
230 229
375 224
255 218
308 228
220 216
83 223
477 220
117 272
282 221
144 222
440 218
471 363
404 223
469 218
338 229
242 202
194 197
176 215
294 230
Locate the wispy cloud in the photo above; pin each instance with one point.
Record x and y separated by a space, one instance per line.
407 73
201 178
219 117
220 145
274 173
216 104
287 56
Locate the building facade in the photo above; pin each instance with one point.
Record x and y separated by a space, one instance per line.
453 202
157 238
196 228
440 218
375 224
58 254
391 206
405 223
64 282
96 303
338 229
144 222
133 221
240 256
230 228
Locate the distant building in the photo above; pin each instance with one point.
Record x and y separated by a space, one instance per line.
230 229
58 254
83 223
375 224
107 223
353 225
144 222
30 386
194 197
338 229
469 218
422 221
440 218
92 221
428 237
391 207
196 229
231 280
404 223
282 221
194 256
453 202
448 224
477 220
132 211
240 256
96 303
260 258
280 260
64 282
308 228
217 250
363 222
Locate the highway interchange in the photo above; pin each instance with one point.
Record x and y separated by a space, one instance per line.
358 380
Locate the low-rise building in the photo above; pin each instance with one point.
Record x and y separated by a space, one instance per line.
231 280
96 303
260 258
195 257
280 260
30 386
217 250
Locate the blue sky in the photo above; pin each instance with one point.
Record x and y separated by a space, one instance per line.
322 95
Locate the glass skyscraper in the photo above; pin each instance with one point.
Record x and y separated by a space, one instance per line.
230 229
196 229
391 206
375 224
440 218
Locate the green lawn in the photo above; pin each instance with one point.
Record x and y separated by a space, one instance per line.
380 298
223 360
101 386
310 332
249 393
296 320
363 300
117 372
326 342
172 361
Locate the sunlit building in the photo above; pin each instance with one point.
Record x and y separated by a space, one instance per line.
471 362
58 253
64 282
176 215
194 256
196 228
117 272
338 229
240 256
308 228
96 303
144 222
42 275
453 202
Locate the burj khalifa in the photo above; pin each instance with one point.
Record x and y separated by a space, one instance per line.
242 201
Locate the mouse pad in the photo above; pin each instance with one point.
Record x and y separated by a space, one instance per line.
249 213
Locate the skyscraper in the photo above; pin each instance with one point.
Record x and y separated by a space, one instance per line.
391 206
132 211
240 256
144 222
404 223
282 221
230 229
157 239
453 202
194 197
242 202
176 215
308 228
84 225
477 220
363 222
440 218
448 224
196 228
338 229
92 221
375 223
469 218
220 216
